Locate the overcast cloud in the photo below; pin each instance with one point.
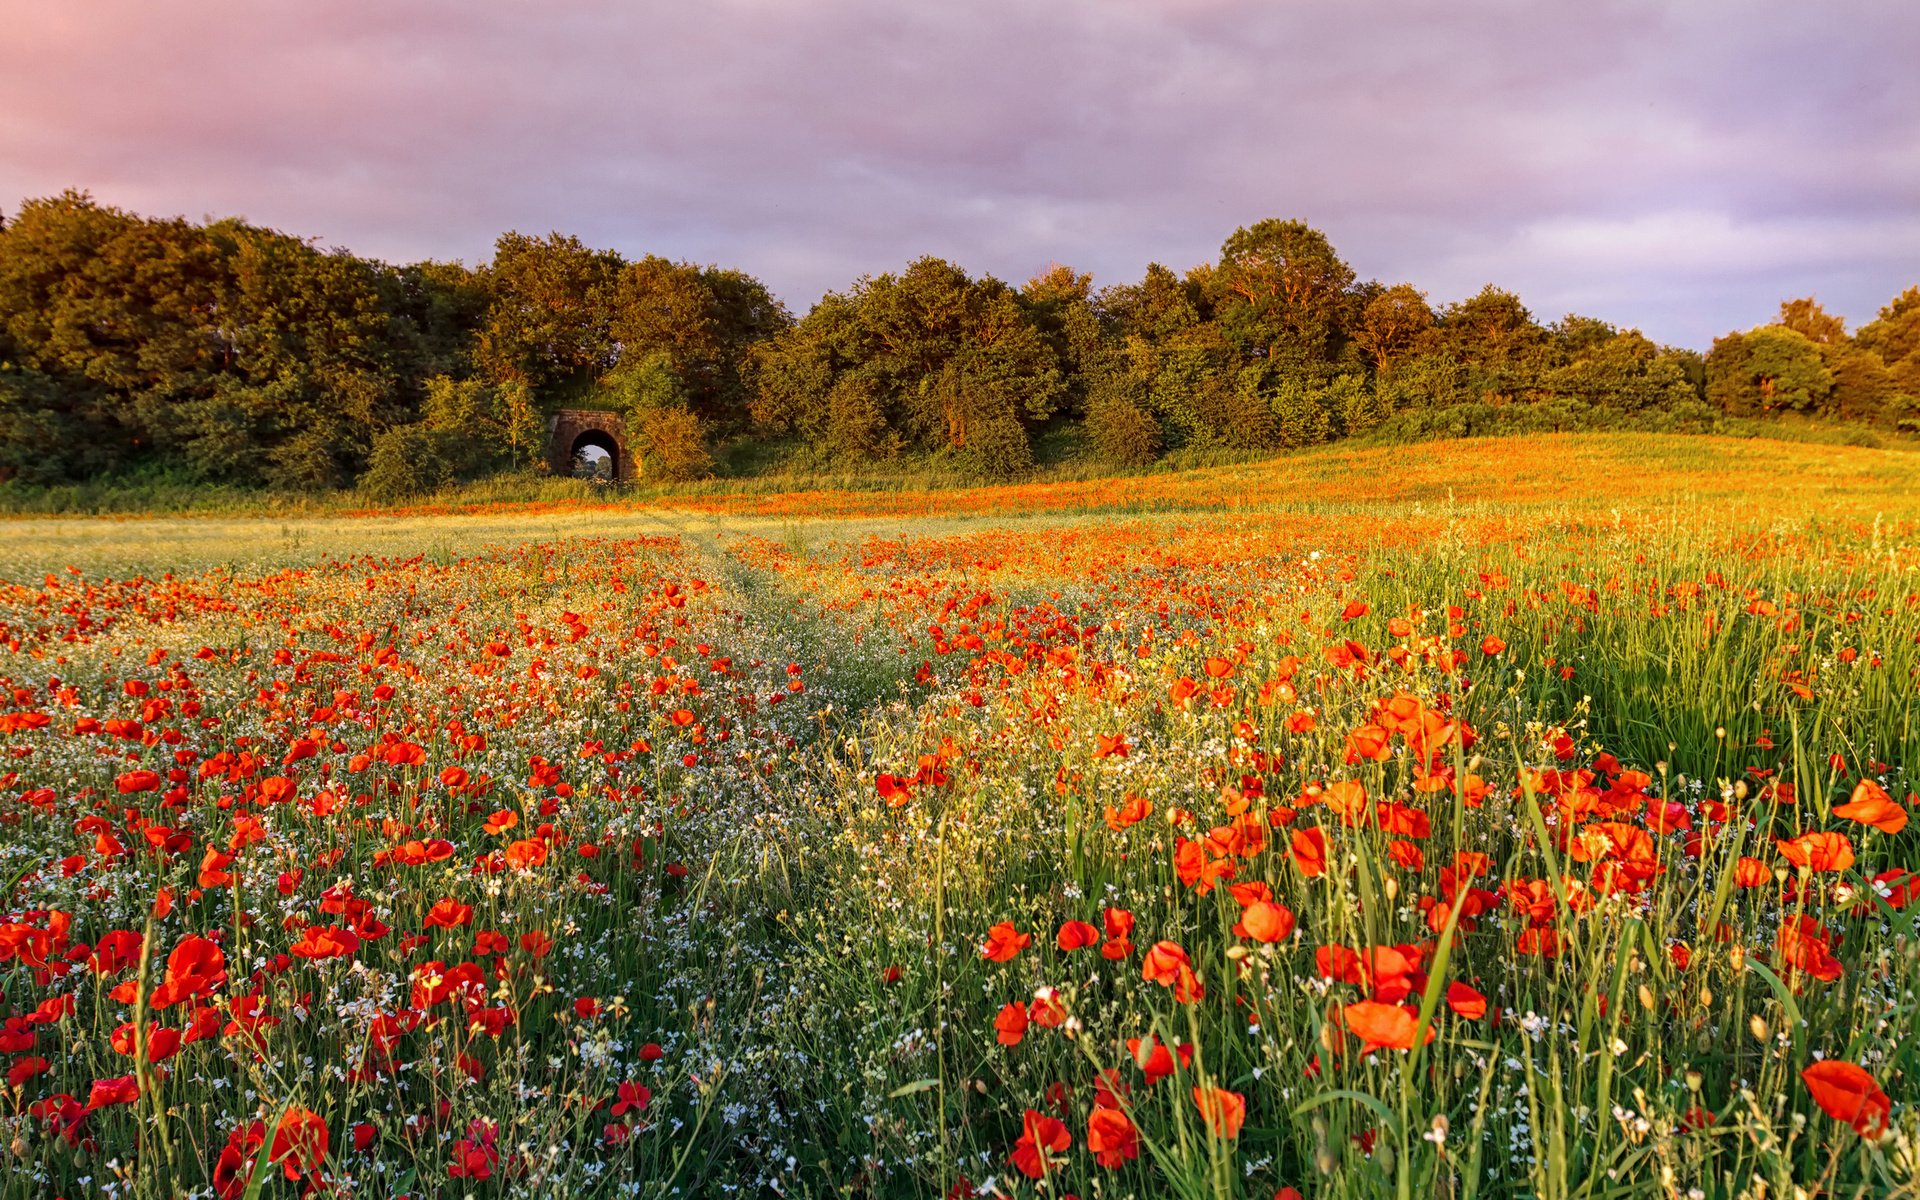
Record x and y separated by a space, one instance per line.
1680 167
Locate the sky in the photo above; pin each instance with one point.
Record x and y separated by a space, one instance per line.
1679 167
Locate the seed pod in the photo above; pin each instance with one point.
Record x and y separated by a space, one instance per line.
1757 1024
1646 997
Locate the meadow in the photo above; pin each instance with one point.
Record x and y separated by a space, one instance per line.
1501 818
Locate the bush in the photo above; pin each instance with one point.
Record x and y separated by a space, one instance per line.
406 461
856 424
1301 417
669 444
998 448
1122 432
1357 404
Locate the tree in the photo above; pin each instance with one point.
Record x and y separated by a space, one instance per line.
1767 370
1624 372
1059 303
1495 338
1281 285
548 323
1160 306
224 351
940 361
1806 318
1122 430
1393 324
1895 334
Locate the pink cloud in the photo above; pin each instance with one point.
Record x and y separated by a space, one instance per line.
1560 151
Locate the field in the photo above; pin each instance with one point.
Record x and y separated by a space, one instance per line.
1494 818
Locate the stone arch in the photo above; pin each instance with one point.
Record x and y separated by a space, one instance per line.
571 430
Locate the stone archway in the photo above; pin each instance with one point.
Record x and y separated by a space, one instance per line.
571 430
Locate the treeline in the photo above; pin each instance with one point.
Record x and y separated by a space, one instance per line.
226 352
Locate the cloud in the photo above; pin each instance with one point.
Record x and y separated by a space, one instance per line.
1681 167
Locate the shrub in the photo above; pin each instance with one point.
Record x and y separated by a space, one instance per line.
670 443
1122 432
998 448
408 460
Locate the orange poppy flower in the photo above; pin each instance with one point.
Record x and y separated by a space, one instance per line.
1381 1026
1225 1111
1264 921
1310 851
1818 851
1751 872
526 854
1871 805
1163 963
299 1142
1132 810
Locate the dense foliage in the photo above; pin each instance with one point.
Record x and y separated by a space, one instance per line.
224 352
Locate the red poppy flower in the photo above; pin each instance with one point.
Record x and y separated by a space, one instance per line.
1041 1139
1846 1092
299 1142
1003 942
1011 1025
1153 1058
450 914
1111 1137
196 966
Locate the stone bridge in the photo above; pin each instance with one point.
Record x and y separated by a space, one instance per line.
571 430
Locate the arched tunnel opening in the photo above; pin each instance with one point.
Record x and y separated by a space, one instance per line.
595 455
